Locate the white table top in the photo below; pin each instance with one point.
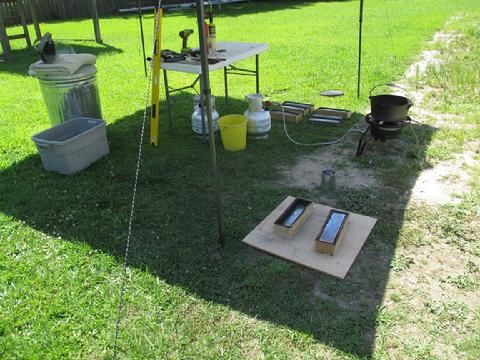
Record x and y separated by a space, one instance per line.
234 52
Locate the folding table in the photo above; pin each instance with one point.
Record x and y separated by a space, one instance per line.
231 52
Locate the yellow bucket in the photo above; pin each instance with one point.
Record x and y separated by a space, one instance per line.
233 130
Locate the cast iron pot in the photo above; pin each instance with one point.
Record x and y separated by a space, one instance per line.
389 108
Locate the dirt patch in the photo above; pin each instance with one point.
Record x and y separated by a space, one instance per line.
307 172
445 182
427 58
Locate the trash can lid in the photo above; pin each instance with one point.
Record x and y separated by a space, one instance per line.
84 71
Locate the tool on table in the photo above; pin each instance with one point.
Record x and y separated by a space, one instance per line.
184 34
194 57
45 47
212 35
172 56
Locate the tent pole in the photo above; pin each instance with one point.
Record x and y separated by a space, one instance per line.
360 19
207 93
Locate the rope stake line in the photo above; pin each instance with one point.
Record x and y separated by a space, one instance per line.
134 196
352 129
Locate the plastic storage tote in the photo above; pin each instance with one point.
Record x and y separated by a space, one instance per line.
72 145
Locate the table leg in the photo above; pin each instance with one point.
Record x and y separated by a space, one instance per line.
169 107
257 73
225 78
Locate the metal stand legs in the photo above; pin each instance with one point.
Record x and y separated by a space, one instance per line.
226 71
233 70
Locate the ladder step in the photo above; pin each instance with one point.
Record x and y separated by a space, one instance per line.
17 36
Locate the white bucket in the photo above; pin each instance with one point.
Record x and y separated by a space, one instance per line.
255 102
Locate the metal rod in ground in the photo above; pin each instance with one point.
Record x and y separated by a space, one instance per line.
207 98
359 70
142 36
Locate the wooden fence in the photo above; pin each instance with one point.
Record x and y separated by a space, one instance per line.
71 9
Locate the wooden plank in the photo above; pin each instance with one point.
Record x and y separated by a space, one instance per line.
342 113
301 249
16 37
307 108
294 117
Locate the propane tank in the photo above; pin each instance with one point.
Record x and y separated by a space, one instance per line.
259 120
197 116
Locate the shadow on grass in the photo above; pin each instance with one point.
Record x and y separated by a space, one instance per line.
19 61
175 234
237 9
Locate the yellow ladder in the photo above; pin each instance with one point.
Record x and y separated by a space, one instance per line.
154 116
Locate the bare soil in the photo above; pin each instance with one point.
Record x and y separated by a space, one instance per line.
307 172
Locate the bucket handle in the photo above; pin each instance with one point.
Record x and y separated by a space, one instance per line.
395 86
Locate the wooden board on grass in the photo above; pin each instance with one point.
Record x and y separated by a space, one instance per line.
277 114
340 113
301 248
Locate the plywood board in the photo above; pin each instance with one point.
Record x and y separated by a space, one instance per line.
301 248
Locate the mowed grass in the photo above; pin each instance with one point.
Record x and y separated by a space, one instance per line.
62 238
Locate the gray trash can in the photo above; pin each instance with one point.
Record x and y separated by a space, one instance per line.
71 96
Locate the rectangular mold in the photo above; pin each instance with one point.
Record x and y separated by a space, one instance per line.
341 113
292 219
307 108
332 231
290 116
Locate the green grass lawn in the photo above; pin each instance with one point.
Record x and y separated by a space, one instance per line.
62 238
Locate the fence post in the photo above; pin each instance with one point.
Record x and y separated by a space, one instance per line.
96 22
7 50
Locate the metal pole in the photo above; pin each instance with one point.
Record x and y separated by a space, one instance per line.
207 96
360 19
142 36
225 81
257 74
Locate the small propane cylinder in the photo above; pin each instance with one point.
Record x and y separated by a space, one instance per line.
259 120
197 116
